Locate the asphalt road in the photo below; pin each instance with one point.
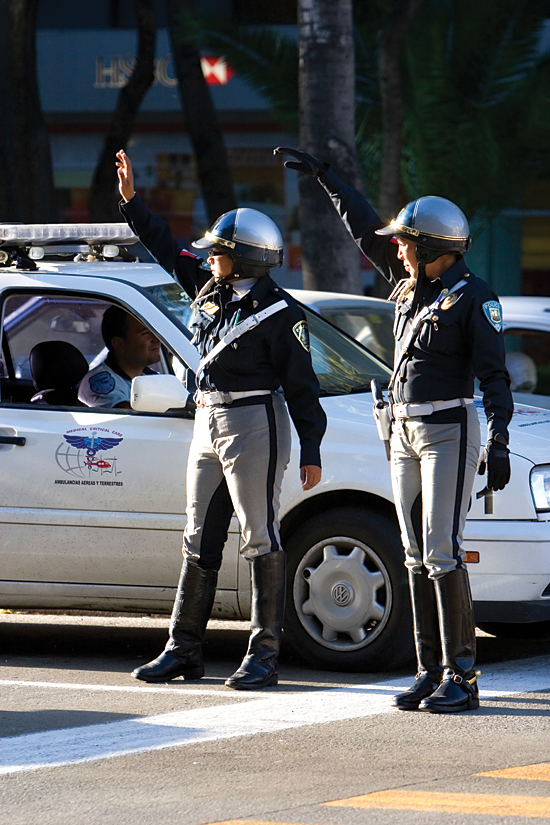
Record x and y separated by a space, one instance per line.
80 741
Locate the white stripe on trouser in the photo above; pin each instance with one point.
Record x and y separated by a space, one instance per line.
249 446
433 466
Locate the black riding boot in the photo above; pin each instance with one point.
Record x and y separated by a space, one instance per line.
259 667
458 691
182 655
427 642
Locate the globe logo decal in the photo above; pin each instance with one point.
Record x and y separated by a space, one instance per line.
85 454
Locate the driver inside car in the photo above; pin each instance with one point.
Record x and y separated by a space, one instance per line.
133 348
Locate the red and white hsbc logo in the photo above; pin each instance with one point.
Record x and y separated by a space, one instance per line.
216 71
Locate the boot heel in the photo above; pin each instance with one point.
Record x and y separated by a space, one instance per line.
473 703
194 673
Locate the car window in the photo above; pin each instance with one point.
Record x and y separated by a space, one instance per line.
373 330
341 365
528 360
31 319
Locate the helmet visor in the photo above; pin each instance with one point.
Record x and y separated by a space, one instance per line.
396 228
211 240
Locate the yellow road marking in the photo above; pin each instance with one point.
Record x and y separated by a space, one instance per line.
487 804
534 807
540 772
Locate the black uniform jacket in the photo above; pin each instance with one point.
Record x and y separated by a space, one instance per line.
458 342
274 354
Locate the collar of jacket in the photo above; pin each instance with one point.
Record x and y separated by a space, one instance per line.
257 293
456 273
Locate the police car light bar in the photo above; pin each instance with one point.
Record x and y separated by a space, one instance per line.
47 233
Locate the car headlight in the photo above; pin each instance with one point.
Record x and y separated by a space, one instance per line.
540 487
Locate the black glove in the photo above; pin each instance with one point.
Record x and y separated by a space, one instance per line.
307 164
497 456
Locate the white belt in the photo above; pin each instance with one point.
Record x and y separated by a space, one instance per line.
417 410
216 398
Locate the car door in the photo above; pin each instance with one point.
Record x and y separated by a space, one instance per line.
88 496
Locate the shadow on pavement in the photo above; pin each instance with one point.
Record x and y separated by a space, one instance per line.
16 723
42 644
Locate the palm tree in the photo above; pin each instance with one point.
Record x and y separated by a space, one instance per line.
326 81
102 191
474 85
311 90
476 113
200 115
26 176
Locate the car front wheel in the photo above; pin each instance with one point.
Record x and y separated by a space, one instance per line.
348 605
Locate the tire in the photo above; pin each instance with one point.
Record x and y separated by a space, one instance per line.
516 630
348 604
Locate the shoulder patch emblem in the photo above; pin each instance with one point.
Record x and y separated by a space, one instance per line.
102 383
493 312
301 331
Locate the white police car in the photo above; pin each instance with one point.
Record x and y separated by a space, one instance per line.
92 500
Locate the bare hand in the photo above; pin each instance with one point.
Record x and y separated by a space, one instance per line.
310 476
125 176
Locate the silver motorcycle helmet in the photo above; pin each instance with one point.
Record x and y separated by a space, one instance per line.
433 223
251 238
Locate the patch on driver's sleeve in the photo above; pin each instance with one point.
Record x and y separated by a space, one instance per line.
102 383
301 331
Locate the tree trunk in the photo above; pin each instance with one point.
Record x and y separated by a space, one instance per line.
393 36
8 185
200 115
102 200
27 190
330 258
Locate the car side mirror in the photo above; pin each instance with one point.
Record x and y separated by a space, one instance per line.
158 393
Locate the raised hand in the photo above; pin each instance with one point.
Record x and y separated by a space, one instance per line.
307 164
125 176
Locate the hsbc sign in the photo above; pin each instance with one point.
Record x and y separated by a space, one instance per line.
114 72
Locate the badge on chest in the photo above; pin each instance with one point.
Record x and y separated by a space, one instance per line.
449 301
209 308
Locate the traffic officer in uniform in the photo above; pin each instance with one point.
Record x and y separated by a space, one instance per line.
448 329
253 340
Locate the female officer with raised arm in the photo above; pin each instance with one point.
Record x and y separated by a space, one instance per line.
253 339
448 329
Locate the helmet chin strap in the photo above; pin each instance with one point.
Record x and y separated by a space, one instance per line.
424 256
247 270
421 257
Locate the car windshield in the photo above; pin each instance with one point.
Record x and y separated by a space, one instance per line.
340 363
176 300
372 328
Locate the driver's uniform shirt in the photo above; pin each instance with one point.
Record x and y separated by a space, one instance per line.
435 456
241 445
107 385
